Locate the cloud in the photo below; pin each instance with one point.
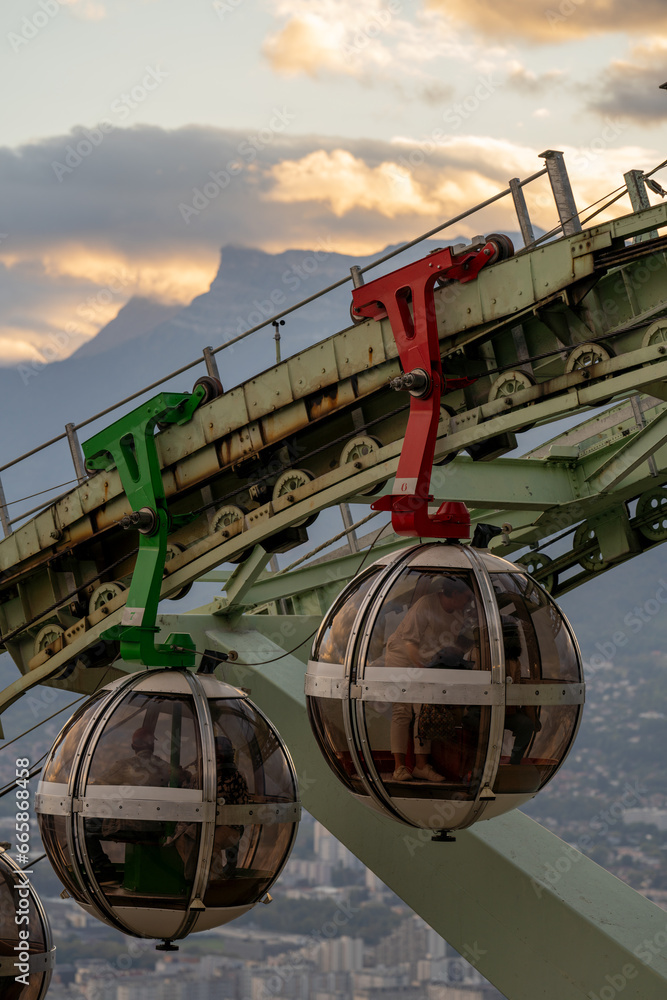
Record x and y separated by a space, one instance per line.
526 82
415 183
551 21
302 48
87 10
147 210
630 87
14 349
334 36
345 182
369 42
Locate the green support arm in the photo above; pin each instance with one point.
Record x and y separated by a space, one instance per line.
129 445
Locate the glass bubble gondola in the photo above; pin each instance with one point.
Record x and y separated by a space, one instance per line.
27 952
445 686
168 804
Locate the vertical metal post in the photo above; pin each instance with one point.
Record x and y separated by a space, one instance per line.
349 530
522 211
357 276
77 454
639 199
276 326
4 516
562 192
211 363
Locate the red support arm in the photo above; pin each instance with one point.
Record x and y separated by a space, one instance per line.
416 335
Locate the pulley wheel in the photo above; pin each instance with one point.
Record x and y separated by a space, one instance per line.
357 448
223 518
535 563
504 247
212 388
174 549
46 635
289 481
103 594
585 356
593 560
655 334
355 317
652 505
510 382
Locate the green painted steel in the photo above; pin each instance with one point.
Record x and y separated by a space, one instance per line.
534 915
128 445
550 333
554 332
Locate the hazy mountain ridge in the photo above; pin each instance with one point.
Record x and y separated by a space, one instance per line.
130 352
135 318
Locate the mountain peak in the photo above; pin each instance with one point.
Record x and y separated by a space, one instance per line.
134 319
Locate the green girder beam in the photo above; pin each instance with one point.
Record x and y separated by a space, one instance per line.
505 483
507 889
533 915
307 578
628 457
524 313
129 446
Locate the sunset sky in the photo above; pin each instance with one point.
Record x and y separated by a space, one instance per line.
140 136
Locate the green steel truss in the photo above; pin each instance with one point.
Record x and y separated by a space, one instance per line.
574 328
552 333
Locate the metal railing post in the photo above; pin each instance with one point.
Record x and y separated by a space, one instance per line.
357 276
521 208
277 323
77 454
634 180
4 516
562 192
211 363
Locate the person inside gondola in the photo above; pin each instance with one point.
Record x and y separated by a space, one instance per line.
520 720
141 769
432 628
144 767
232 790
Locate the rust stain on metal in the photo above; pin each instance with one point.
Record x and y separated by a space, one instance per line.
322 403
282 424
233 448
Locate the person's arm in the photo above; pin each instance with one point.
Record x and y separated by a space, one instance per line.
410 631
412 649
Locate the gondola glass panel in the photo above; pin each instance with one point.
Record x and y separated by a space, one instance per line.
27 954
254 779
179 808
421 700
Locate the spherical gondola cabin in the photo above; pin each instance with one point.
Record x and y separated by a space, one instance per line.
445 686
168 804
27 952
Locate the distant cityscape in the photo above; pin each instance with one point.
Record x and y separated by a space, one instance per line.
246 962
